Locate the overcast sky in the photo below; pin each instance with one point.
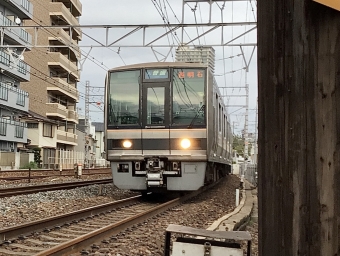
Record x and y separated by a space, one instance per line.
104 12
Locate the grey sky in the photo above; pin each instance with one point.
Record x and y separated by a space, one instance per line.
144 12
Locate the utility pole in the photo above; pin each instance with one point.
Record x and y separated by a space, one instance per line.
255 136
246 139
87 117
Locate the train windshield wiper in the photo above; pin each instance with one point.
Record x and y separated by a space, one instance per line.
202 108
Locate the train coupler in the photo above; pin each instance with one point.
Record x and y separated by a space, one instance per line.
154 179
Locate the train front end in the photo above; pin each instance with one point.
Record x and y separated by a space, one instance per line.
156 131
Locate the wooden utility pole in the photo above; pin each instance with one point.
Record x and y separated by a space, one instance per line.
299 128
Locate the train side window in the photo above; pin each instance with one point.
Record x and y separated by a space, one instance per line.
222 121
219 118
225 126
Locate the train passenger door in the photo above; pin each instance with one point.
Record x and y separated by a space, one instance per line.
156 118
156 105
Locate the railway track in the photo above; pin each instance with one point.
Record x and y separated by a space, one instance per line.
40 174
70 233
14 191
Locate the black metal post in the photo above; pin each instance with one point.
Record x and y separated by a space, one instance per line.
167 244
249 248
29 174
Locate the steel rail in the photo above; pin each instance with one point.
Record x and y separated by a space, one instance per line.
11 178
75 245
53 170
40 225
14 191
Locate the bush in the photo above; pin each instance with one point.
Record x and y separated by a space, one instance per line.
31 165
37 156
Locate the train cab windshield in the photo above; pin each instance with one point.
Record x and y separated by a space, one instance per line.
123 107
188 101
157 98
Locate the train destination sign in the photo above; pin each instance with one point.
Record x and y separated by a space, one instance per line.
156 73
190 74
335 4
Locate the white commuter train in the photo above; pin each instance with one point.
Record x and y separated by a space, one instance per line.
166 127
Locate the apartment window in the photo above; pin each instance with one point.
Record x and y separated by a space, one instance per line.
47 130
32 125
3 128
19 131
3 92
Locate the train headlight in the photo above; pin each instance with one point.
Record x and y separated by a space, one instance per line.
127 144
185 143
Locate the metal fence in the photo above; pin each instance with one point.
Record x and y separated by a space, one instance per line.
250 172
64 159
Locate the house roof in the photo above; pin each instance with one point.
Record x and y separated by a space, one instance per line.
34 116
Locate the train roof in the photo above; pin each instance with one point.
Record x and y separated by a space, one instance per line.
161 64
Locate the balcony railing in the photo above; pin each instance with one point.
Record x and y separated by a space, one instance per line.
7 21
21 70
72 116
58 59
77 4
24 35
56 110
26 5
59 9
13 130
67 137
19 131
16 32
66 39
5 58
22 67
14 97
23 6
65 88
3 128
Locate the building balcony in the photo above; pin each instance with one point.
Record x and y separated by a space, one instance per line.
59 12
74 5
13 97
61 63
64 38
67 138
72 116
15 35
56 111
64 89
13 131
23 8
18 69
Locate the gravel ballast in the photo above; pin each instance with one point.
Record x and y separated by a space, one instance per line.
25 208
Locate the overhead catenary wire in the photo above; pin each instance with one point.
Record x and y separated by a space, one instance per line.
166 15
118 52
